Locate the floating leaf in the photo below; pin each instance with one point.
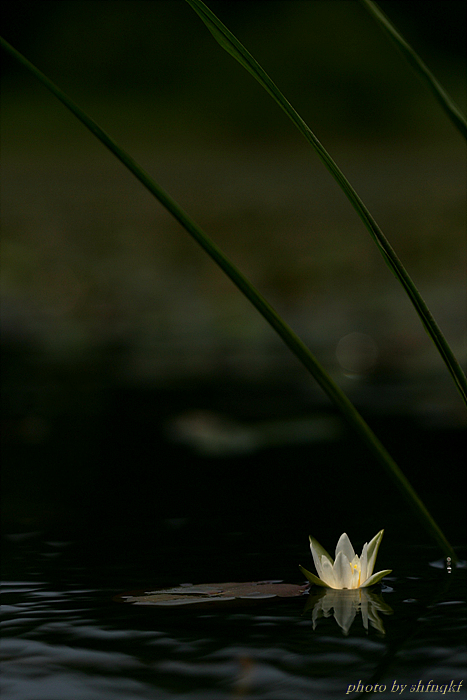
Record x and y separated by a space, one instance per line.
214 594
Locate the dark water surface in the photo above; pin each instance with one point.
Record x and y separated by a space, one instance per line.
64 638
169 489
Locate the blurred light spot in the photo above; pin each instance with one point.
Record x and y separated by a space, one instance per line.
356 353
212 434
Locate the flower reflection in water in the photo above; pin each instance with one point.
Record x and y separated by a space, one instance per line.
345 604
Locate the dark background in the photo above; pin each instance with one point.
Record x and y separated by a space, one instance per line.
143 399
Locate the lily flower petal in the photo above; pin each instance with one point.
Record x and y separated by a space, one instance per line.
344 545
328 574
375 578
343 571
318 550
364 563
312 578
373 551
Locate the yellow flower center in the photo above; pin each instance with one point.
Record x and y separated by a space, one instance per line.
356 567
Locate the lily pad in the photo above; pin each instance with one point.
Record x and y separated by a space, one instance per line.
214 594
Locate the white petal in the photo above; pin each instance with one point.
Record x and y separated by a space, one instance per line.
319 550
344 545
327 573
342 571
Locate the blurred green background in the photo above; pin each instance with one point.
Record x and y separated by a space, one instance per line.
105 297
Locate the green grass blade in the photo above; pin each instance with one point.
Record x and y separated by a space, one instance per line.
296 345
446 102
231 44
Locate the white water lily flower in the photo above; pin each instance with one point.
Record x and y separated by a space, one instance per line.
348 570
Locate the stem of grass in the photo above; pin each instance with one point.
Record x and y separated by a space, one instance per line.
231 44
420 68
295 344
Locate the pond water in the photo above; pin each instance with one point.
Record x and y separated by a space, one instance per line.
154 494
65 638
